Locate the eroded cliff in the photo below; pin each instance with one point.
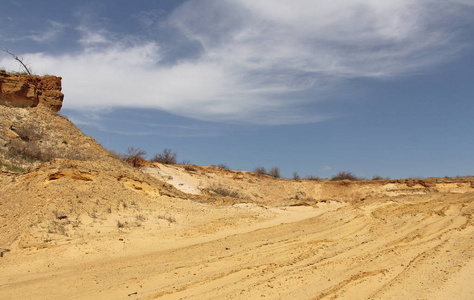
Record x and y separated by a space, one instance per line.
18 90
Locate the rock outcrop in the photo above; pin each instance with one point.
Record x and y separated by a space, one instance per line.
31 91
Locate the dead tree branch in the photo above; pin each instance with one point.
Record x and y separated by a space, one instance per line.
20 60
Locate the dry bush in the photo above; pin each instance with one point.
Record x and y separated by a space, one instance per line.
167 218
378 177
115 154
122 224
312 177
190 168
296 176
223 166
167 157
274 172
185 162
344 176
30 145
134 156
224 191
30 150
35 144
260 170
28 132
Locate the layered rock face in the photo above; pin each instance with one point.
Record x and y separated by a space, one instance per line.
31 91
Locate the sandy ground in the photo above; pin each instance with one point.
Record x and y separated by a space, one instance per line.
77 222
410 245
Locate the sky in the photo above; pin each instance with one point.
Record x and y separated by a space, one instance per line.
310 86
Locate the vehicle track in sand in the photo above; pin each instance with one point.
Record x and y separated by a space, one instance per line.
406 248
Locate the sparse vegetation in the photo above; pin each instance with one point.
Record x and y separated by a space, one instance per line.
224 191
135 156
296 176
312 177
31 146
167 218
274 172
121 224
223 166
344 176
58 227
260 170
31 143
140 217
190 168
12 168
115 154
168 157
378 177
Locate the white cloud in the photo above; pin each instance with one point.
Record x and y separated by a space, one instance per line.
258 60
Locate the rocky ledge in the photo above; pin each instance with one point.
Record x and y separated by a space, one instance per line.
19 90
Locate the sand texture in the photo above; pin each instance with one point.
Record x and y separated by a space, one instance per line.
130 236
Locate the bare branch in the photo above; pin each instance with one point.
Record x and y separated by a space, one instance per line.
20 60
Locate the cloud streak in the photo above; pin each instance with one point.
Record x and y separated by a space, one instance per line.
257 61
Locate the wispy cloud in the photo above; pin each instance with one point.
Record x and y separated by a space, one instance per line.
47 34
50 33
145 124
15 3
257 61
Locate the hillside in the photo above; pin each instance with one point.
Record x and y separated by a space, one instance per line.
78 223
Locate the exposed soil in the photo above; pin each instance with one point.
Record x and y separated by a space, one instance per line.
95 228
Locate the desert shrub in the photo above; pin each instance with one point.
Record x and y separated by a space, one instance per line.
223 166
36 144
30 146
28 133
378 177
224 191
29 150
344 176
190 168
274 172
115 154
185 162
296 176
122 224
312 177
12 168
170 219
166 157
134 156
260 170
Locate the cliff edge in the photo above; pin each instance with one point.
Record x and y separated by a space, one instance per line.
18 90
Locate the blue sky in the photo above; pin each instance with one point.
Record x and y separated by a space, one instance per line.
314 87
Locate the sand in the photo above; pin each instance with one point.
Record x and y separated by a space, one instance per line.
343 240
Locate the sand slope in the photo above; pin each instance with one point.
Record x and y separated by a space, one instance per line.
76 222
411 247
